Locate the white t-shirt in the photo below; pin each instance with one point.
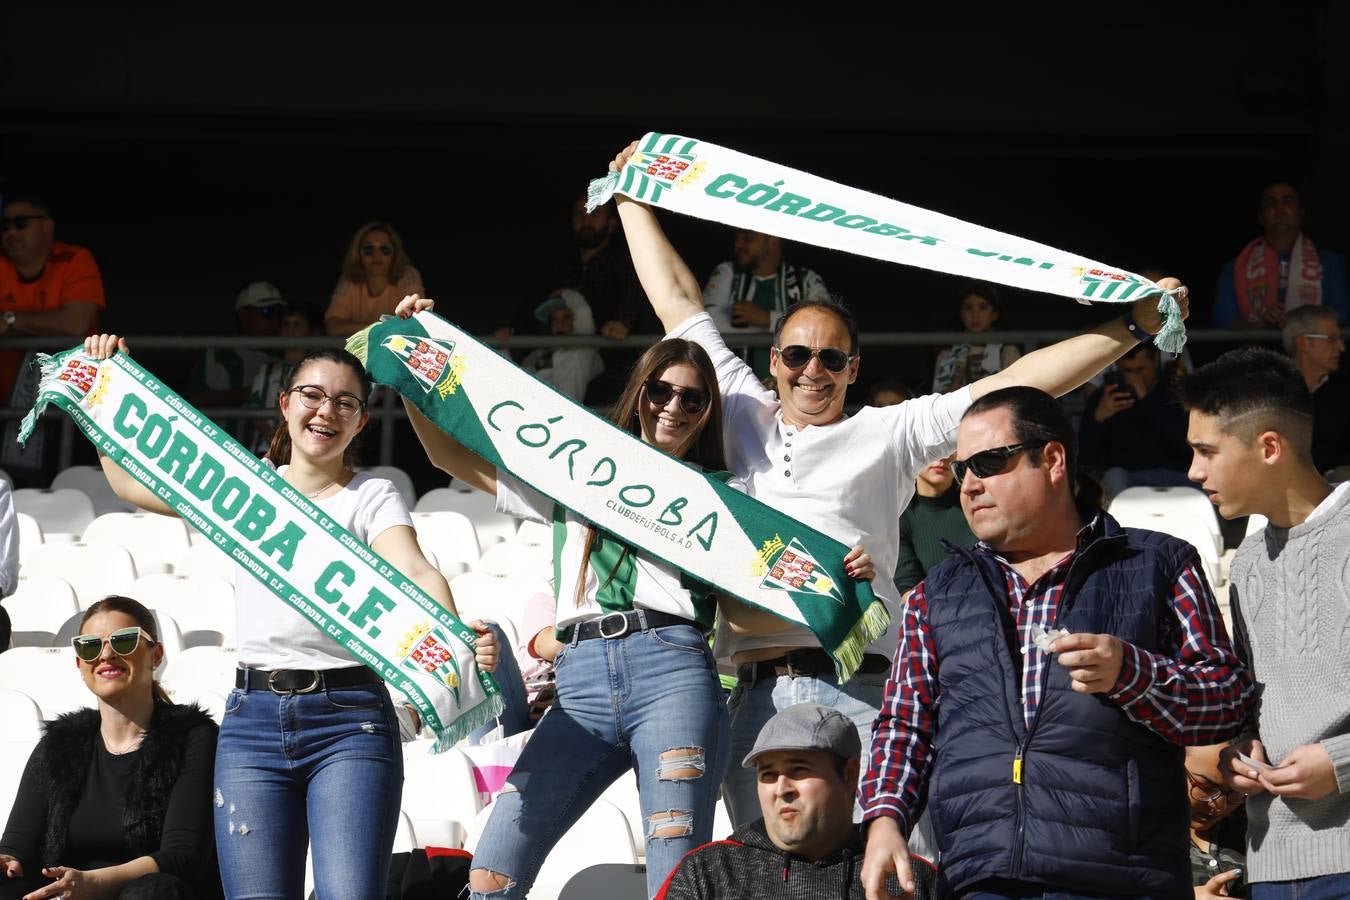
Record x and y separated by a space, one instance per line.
850 479
275 635
639 582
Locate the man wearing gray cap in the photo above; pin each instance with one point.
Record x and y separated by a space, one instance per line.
805 845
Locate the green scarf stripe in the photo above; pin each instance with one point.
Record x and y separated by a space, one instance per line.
699 179
256 518
668 510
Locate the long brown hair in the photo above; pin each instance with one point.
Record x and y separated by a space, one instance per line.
279 449
399 263
137 612
704 446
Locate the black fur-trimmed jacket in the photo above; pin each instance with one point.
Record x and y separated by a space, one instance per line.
55 778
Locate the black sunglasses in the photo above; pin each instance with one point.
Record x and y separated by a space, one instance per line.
991 462
692 400
795 356
123 641
385 249
18 222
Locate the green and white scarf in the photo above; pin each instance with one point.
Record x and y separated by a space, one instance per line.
711 182
642 496
277 535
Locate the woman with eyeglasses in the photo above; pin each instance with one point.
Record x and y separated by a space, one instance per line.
637 687
1218 827
309 749
116 801
376 274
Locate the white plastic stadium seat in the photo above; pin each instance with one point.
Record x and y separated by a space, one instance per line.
93 570
13 759
507 558
481 509
49 676
21 715
479 596
450 535
64 511
93 482
38 609
202 605
199 671
607 881
204 558
154 541
400 478
440 795
1172 502
30 535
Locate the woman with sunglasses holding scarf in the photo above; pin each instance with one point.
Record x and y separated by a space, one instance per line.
115 801
309 747
637 686
376 274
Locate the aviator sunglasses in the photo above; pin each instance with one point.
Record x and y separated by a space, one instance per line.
796 356
692 401
123 641
384 249
987 463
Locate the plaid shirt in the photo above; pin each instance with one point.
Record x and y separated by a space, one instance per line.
1193 691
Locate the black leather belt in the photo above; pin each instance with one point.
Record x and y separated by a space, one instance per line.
616 625
302 681
808 661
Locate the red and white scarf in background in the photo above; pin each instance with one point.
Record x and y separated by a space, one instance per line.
1256 278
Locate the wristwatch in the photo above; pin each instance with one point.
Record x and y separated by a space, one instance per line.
10 319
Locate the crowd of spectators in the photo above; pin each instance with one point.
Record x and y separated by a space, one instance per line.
1134 713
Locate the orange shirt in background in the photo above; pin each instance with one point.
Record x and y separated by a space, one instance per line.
70 275
352 301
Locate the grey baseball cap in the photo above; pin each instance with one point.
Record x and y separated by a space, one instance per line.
807 726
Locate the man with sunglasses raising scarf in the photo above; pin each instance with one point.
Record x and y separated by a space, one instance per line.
1047 681
46 288
848 476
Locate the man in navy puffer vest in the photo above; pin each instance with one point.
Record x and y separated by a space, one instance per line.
1051 763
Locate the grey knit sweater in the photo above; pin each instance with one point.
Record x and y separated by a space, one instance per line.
1290 596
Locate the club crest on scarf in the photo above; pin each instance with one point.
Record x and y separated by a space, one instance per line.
1115 286
789 567
428 359
426 649
663 161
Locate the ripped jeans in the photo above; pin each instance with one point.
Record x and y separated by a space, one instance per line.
324 769
649 701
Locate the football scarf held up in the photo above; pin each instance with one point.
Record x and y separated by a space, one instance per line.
658 505
277 535
710 182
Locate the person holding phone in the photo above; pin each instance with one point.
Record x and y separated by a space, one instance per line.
1133 430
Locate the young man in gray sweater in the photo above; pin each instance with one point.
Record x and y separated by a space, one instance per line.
1251 429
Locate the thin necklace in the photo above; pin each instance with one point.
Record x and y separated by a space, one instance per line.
322 489
134 743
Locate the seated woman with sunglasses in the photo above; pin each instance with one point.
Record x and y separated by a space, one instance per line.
116 801
637 687
310 735
376 274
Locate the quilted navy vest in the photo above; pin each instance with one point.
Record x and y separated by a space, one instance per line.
1085 799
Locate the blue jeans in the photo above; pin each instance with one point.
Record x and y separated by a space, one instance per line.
515 715
751 707
1324 887
649 701
322 770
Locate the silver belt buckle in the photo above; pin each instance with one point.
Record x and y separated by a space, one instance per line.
271 684
623 626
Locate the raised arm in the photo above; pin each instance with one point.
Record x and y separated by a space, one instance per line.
399 545
671 288
1061 367
103 346
445 453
